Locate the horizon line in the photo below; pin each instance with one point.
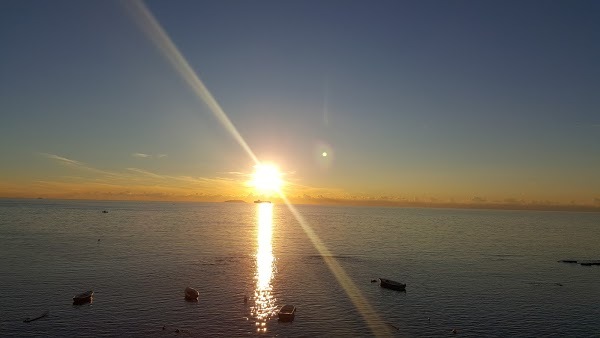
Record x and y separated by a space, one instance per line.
352 203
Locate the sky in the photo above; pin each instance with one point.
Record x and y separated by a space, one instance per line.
434 101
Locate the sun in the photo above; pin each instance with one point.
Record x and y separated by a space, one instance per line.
266 179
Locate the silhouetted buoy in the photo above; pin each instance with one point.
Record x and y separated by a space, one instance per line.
245 299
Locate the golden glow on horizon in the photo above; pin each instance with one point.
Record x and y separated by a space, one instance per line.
266 179
264 302
155 31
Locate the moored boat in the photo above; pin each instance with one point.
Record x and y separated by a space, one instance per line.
191 294
287 313
259 201
83 298
568 261
589 262
390 284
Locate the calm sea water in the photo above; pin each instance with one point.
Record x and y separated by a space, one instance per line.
484 273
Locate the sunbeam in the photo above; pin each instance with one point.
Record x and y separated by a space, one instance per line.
377 326
148 24
159 37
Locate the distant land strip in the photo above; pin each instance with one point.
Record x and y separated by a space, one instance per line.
459 205
539 206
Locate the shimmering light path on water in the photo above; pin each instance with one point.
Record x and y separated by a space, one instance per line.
264 302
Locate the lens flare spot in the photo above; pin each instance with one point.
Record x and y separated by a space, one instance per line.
323 155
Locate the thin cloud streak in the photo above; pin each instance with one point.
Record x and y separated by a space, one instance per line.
142 155
144 172
140 177
62 159
186 179
77 164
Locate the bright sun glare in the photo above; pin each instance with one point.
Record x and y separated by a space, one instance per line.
266 178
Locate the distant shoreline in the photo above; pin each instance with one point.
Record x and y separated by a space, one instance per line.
361 203
235 201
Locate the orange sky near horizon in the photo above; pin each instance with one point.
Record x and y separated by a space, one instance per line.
73 179
159 102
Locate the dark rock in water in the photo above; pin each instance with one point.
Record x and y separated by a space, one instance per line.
568 261
373 280
28 320
395 327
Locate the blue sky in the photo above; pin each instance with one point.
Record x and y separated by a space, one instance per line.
427 99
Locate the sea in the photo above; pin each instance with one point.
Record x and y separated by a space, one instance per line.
469 273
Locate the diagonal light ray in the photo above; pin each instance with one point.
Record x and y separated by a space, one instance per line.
377 326
150 26
159 37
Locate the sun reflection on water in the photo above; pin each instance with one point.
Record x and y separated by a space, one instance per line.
264 302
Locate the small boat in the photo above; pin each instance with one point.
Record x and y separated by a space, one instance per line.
191 294
393 285
83 298
287 313
259 201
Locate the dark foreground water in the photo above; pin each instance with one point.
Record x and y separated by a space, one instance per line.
485 273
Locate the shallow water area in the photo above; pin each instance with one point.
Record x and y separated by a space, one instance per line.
484 273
